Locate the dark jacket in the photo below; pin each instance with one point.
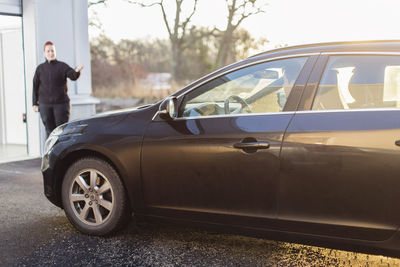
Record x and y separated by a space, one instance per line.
50 82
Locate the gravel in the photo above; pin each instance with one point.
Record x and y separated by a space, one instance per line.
33 232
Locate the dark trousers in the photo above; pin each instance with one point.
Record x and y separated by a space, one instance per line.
54 115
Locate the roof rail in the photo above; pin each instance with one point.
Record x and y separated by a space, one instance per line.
322 45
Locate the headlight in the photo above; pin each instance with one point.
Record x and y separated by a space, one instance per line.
50 142
52 139
59 130
64 130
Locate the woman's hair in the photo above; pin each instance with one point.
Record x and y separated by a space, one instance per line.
46 44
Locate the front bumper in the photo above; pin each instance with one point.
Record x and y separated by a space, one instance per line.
53 169
51 188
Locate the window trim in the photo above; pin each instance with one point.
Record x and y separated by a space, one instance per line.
355 53
235 115
347 110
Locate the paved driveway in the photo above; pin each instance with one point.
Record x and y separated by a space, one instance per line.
34 232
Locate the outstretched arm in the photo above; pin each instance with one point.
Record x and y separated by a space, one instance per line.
79 68
74 74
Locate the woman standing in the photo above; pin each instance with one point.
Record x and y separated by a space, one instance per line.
50 91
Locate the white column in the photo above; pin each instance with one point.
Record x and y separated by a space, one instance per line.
83 104
82 47
31 60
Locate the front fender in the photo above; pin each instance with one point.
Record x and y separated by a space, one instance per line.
126 164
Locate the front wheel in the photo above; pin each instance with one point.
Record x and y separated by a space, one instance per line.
93 197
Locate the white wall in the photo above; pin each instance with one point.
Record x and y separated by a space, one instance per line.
54 22
13 86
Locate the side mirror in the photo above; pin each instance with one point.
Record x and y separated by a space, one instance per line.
167 110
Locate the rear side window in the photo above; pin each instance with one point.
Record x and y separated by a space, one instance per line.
359 82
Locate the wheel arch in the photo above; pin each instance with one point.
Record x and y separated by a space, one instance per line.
63 164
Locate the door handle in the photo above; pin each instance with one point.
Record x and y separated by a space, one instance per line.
397 143
252 145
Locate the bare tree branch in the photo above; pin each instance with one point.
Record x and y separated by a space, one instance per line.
165 18
244 16
176 28
164 13
177 18
96 2
142 4
254 9
238 11
184 24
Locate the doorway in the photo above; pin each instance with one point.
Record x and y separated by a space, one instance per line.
13 128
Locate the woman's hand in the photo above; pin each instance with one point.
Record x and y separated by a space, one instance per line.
35 108
79 68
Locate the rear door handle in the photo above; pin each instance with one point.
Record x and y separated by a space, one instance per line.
397 143
252 145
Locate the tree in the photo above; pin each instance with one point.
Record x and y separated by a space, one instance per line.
177 30
245 44
127 61
238 11
192 51
101 54
200 56
150 56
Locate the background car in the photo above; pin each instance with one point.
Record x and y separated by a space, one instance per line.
300 141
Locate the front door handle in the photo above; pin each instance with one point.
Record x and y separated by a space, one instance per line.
397 143
252 145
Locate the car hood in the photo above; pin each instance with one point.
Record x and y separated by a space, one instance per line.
119 111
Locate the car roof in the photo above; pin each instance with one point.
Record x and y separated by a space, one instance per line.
351 46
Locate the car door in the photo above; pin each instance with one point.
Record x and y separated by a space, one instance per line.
340 155
221 155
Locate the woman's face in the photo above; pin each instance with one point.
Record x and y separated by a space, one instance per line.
50 52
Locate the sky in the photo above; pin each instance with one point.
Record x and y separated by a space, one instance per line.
288 22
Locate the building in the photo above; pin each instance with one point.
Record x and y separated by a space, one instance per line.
25 25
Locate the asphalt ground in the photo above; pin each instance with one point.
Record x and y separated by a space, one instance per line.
33 232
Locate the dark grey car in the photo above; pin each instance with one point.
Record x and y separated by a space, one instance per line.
300 141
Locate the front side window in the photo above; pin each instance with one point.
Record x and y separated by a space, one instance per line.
351 82
260 88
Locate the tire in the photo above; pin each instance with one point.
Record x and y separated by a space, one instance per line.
94 197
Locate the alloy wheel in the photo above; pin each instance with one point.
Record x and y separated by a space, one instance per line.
91 197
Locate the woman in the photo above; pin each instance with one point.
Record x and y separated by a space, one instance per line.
50 91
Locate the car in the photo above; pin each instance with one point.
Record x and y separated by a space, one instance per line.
299 141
